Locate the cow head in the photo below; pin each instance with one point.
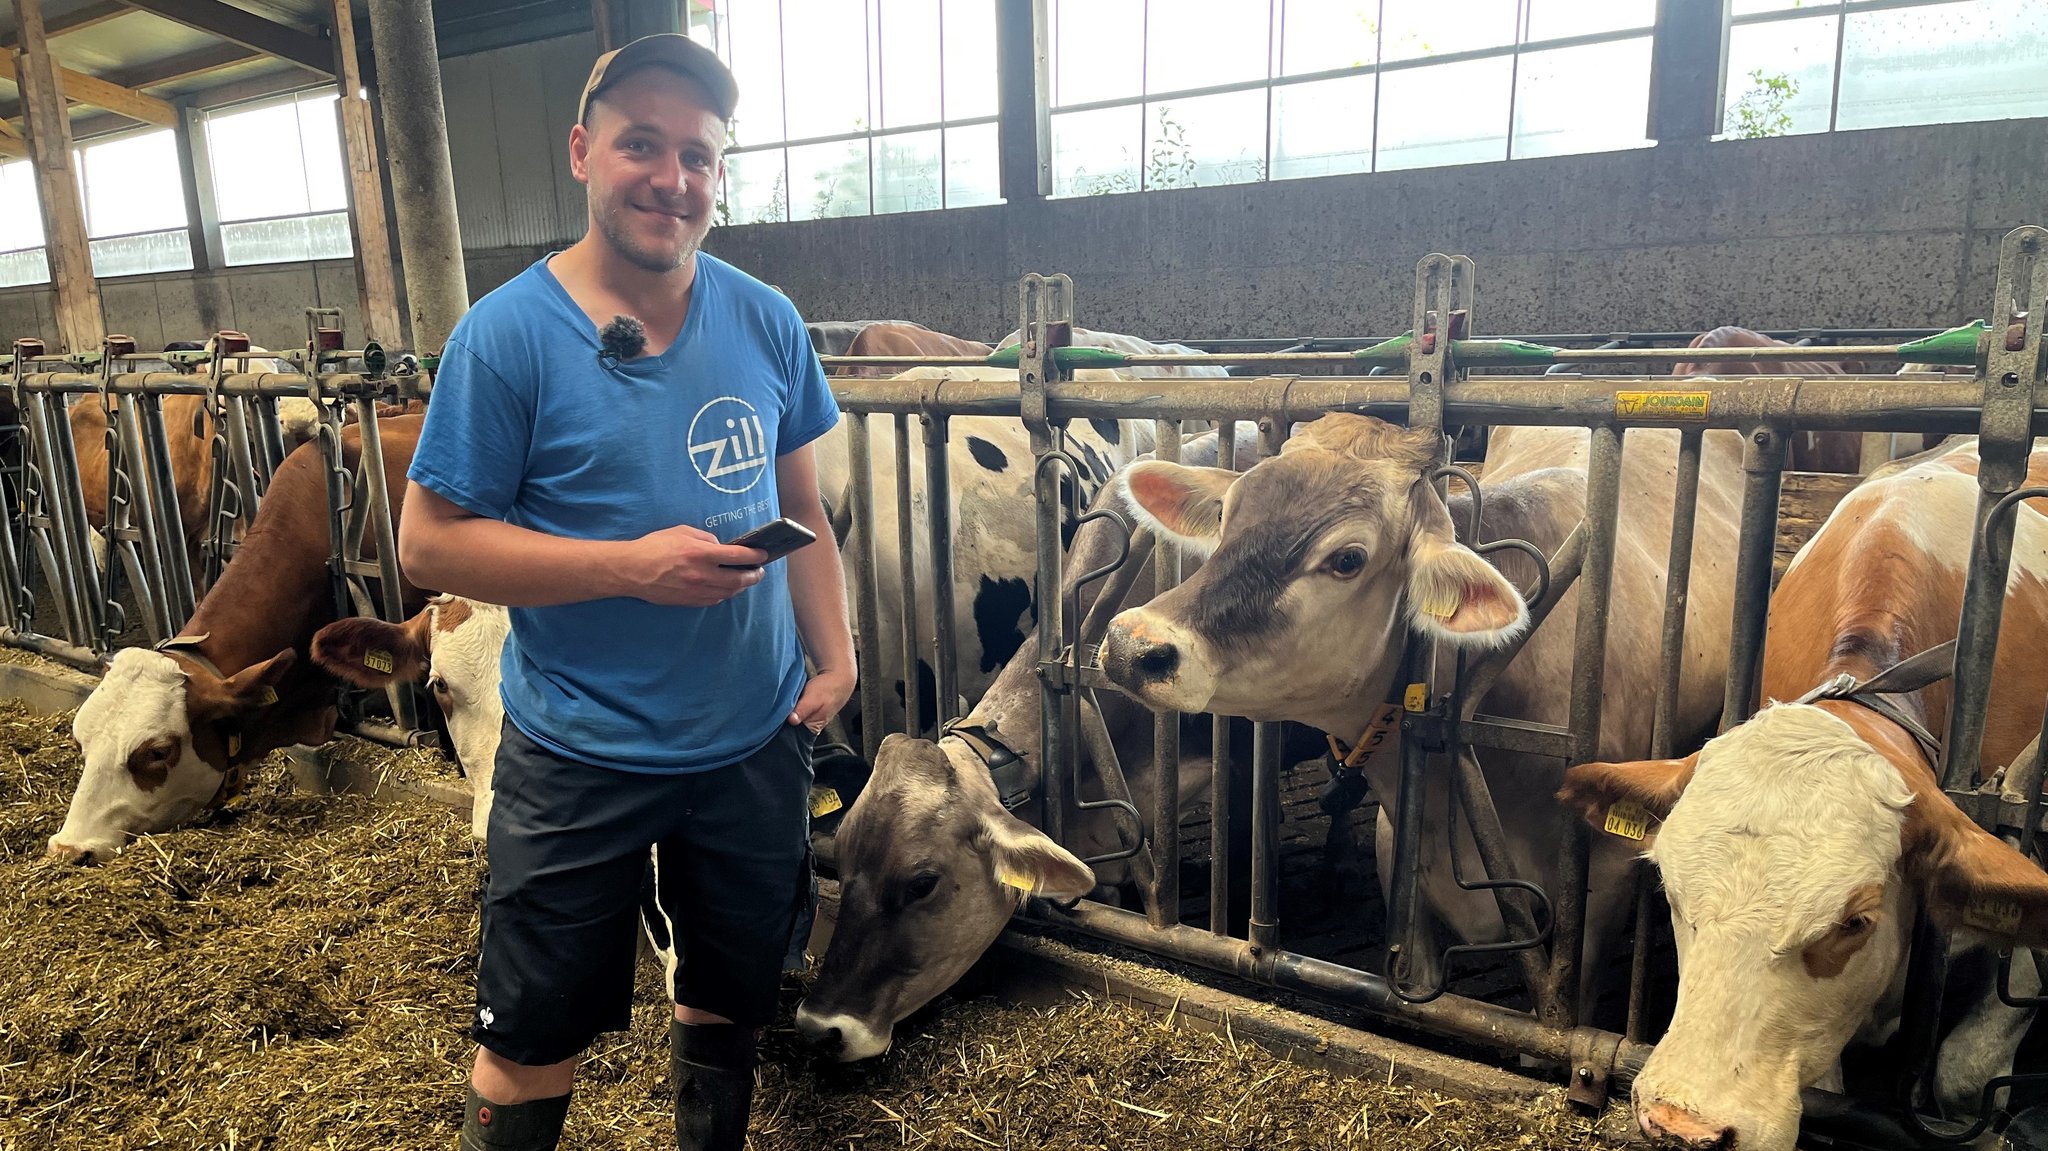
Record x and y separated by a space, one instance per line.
1796 853
1321 556
160 735
453 646
932 869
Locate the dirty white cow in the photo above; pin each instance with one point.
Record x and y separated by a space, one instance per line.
453 646
1797 848
1325 555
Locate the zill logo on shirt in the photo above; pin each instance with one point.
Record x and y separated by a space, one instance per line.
727 446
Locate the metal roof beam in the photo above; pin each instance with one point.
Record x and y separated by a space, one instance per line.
185 66
247 29
72 21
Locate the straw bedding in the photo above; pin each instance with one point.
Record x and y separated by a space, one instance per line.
296 972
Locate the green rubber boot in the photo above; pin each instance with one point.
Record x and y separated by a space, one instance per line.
535 1125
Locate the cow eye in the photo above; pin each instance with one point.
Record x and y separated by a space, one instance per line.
1345 562
1857 924
921 886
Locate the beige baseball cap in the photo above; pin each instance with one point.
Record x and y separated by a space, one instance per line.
669 50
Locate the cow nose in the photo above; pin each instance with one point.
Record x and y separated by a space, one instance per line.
65 853
1671 1126
826 1037
1134 659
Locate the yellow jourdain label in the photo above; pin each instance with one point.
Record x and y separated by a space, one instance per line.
1988 914
1661 405
377 659
268 697
824 801
1416 698
1628 820
234 745
1018 880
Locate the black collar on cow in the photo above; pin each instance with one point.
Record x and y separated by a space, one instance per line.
234 778
1011 774
1902 678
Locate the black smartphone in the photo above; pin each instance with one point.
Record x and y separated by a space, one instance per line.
776 537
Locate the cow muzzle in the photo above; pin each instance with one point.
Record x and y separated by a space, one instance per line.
66 854
841 1037
1156 662
1667 1125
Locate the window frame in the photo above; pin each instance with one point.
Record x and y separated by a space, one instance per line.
199 126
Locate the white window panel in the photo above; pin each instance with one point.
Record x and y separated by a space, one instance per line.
1202 43
1322 35
21 212
824 54
756 189
1752 7
322 237
907 62
1798 52
1594 98
169 251
121 195
970 62
1206 140
1099 152
1984 60
258 169
907 175
320 144
755 32
1323 128
828 180
1414 29
973 166
29 266
1557 19
1446 114
1098 50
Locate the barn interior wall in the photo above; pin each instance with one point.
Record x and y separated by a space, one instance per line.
1895 226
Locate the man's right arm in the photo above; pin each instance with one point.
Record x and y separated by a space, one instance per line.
445 547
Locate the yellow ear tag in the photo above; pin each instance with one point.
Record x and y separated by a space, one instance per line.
1628 820
1416 698
377 659
2000 916
824 801
267 697
1443 602
234 746
1018 880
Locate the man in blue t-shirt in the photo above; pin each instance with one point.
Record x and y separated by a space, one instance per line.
654 683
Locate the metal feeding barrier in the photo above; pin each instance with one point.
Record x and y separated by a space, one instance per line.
141 545
1430 383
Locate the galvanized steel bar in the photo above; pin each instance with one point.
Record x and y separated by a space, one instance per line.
177 592
1263 930
906 563
1225 813
145 518
383 525
1164 906
1045 321
1763 464
861 562
77 574
938 488
1589 665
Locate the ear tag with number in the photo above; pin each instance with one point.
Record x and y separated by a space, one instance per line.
378 660
1628 819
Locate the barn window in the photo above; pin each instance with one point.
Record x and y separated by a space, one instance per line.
1184 93
22 259
280 187
851 109
1798 66
131 226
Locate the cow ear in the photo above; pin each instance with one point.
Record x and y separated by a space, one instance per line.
247 690
1652 786
1180 502
1022 857
1971 879
1452 593
372 652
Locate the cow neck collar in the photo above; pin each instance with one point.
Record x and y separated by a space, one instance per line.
1883 692
234 778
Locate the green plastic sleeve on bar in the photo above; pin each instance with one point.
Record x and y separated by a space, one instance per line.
1471 353
1393 351
1955 346
1009 355
430 364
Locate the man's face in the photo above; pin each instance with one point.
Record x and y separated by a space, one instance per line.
651 156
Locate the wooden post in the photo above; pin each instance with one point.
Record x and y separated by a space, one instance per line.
80 322
376 282
601 22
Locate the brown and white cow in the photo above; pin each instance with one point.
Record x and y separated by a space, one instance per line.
452 647
1797 848
166 732
1327 554
896 338
1810 451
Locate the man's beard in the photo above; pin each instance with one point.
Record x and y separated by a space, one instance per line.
612 226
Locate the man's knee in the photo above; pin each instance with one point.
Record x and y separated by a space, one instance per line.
692 1015
499 1079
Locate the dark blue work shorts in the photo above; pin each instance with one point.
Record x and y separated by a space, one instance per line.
568 846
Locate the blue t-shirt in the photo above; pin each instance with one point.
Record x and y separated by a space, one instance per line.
527 425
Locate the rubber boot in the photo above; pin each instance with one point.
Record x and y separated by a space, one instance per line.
535 1125
711 1068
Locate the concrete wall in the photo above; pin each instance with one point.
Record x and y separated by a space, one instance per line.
1893 227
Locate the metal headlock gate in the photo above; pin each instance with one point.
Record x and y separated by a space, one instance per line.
2003 401
48 539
